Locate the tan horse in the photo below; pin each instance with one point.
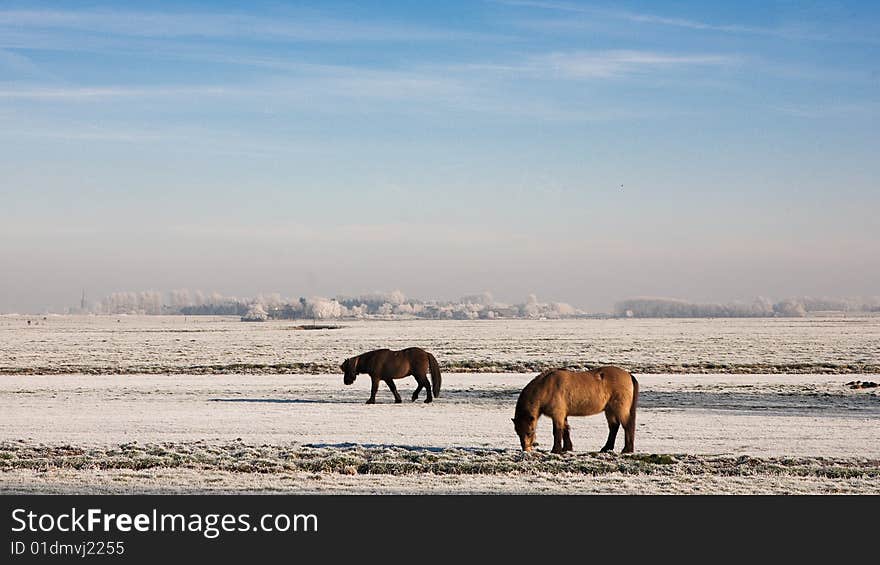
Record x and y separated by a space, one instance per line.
559 394
386 365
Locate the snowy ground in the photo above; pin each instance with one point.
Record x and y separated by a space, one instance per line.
209 345
310 433
148 404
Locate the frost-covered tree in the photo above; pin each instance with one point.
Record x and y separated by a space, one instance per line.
484 299
396 297
256 313
150 302
790 308
403 309
385 309
530 309
180 298
270 300
320 308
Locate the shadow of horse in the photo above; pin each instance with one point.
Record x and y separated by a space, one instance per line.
279 400
415 448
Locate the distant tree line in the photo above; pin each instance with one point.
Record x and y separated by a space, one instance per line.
376 305
472 307
651 307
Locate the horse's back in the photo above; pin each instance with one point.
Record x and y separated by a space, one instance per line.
583 393
375 356
620 388
414 352
416 357
387 363
615 377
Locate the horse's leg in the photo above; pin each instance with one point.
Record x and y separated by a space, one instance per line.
613 427
373 389
415 395
566 437
390 382
558 432
423 382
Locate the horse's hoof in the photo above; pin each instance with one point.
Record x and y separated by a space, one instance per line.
397 401
370 402
429 400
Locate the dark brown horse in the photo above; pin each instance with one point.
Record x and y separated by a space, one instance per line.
386 365
559 394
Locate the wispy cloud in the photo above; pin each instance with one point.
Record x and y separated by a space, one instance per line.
830 111
304 83
304 27
177 138
94 93
625 15
796 31
16 62
485 89
604 64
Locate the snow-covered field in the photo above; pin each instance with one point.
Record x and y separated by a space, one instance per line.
194 345
70 423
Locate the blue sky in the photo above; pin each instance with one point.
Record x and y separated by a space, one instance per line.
439 148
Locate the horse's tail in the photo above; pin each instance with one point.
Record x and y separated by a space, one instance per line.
630 426
635 401
435 374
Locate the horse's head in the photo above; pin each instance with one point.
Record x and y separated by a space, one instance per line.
349 370
525 424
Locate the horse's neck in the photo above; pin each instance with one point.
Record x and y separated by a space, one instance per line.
363 364
526 409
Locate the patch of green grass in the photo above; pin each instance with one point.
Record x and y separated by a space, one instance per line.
656 459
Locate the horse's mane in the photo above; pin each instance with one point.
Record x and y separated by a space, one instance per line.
525 395
364 360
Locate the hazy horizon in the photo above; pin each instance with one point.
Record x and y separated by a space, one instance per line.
584 152
172 301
